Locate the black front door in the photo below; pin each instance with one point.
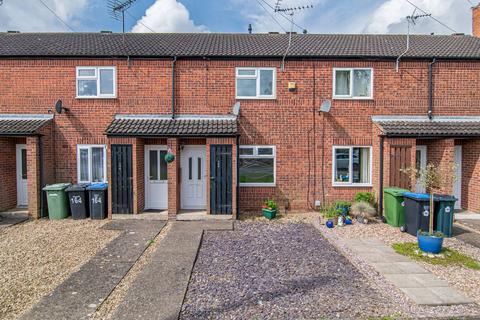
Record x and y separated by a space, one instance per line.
221 179
122 195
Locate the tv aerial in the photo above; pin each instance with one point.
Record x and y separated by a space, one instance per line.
118 8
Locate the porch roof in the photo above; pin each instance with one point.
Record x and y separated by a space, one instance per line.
423 127
22 124
165 126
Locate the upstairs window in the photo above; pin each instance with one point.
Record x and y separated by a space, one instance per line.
352 166
255 83
96 82
352 83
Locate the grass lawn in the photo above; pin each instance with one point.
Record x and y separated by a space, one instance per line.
445 258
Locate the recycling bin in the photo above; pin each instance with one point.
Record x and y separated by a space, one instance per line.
417 212
97 195
57 200
77 197
394 205
444 208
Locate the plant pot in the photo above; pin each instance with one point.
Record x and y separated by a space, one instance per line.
429 243
269 214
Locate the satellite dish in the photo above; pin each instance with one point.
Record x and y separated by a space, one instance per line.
59 107
236 109
326 105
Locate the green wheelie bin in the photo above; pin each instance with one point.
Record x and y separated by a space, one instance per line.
444 208
394 206
57 200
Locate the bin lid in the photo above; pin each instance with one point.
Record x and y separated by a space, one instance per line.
78 187
98 186
56 187
417 196
394 191
444 197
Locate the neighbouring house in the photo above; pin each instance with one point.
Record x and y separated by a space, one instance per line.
335 118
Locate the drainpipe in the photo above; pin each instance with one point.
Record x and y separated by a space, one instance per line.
238 178
430 89
380 195
40 169
174 60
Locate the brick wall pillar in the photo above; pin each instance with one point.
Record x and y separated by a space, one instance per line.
33 177
138 176
173 173
470 175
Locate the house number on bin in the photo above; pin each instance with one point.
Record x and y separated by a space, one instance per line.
96 199
76 200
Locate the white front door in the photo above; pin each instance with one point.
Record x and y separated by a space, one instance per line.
420 163
193 190
156 181
457 187
22 198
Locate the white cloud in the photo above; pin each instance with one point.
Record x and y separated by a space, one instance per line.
31 15
167 16
390 17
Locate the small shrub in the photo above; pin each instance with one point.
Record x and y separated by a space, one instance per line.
270 204
343 207
363 209
365 196
330 211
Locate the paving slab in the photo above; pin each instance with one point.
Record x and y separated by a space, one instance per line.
418 284
80 294
10 218
159 290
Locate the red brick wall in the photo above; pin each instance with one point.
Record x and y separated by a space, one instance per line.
471 175
441 153
290 122
8 178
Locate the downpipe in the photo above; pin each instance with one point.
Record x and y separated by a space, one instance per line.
430 89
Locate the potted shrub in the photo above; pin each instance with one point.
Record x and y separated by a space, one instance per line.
432 178
330 213
269 209
343 207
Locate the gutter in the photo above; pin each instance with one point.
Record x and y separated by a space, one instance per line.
174 60
430 89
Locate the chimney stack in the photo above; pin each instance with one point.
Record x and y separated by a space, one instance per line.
476 21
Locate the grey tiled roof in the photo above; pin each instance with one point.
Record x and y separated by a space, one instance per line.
422 127
236 45
22 125
161 126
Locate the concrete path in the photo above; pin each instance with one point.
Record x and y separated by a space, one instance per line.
418 284
159 290
79 295
10 218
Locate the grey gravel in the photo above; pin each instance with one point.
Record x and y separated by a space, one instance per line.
277 271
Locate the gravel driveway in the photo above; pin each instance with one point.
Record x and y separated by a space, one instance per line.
277 270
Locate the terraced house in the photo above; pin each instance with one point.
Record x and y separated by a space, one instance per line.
245 119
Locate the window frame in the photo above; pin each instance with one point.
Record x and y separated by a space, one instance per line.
255 155
256 77
97 78
350 183
350 96
89 147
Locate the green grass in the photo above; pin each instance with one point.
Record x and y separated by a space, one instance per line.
451 257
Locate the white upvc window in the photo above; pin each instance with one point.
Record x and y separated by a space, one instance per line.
353 83
352 166
96 82
91 163
257 166
255 83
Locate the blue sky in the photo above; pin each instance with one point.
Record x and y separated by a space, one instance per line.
327 16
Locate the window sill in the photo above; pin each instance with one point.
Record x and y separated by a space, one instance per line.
352 185
255 98
352 98
83 97
258 185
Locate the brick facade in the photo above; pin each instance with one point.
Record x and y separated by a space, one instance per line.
303 137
